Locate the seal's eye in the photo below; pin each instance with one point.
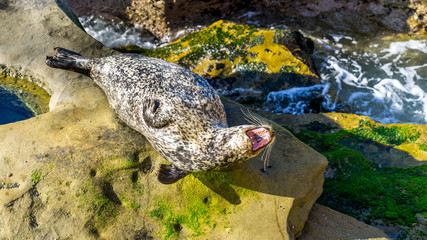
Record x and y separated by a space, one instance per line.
260 137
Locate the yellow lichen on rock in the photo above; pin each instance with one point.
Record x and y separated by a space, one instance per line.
179 53
413 148
206 67
276 56
224 48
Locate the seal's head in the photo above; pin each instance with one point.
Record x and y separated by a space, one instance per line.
240 143
218 149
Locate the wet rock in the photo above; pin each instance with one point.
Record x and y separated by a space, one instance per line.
407 152
165 18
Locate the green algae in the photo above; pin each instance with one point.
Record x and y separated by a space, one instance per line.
194 216
97 195
36 176
232 46
358 187
393 135
102 206
192 205
39 174
423 147
197 206
35 98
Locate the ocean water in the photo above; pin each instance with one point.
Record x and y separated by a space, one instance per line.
115 34
385 80
12 109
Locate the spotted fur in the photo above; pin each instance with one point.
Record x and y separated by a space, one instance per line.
179 113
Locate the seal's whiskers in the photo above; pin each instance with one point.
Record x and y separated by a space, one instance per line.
253 119
250 121
247 117
258 120
265 158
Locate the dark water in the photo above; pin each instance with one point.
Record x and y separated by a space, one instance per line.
12 109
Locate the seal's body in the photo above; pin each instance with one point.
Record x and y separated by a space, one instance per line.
176 110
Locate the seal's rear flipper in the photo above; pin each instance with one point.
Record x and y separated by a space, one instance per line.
69 60
169 174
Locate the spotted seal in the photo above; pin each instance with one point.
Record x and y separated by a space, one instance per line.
179 113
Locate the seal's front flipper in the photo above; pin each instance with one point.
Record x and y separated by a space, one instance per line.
154 114
69 60
169 174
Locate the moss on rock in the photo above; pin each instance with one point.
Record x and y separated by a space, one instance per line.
188 206
362 188
225 47
194 211
393 135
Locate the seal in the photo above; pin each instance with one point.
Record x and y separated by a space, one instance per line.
179 113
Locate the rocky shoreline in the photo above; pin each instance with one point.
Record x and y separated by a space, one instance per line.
165 18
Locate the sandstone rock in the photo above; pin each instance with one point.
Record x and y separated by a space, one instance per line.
78 172
325 223
54 29
83 169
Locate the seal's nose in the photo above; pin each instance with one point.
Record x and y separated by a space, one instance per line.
272 133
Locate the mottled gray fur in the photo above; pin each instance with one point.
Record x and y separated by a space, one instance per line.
176 110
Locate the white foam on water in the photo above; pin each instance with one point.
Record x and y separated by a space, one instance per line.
383 82
387 69
338 37
180 33
294 100
249 14
114 34
400 48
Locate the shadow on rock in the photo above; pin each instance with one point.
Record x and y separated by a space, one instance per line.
108 192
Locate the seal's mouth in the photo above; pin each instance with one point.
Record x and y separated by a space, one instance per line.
260 137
